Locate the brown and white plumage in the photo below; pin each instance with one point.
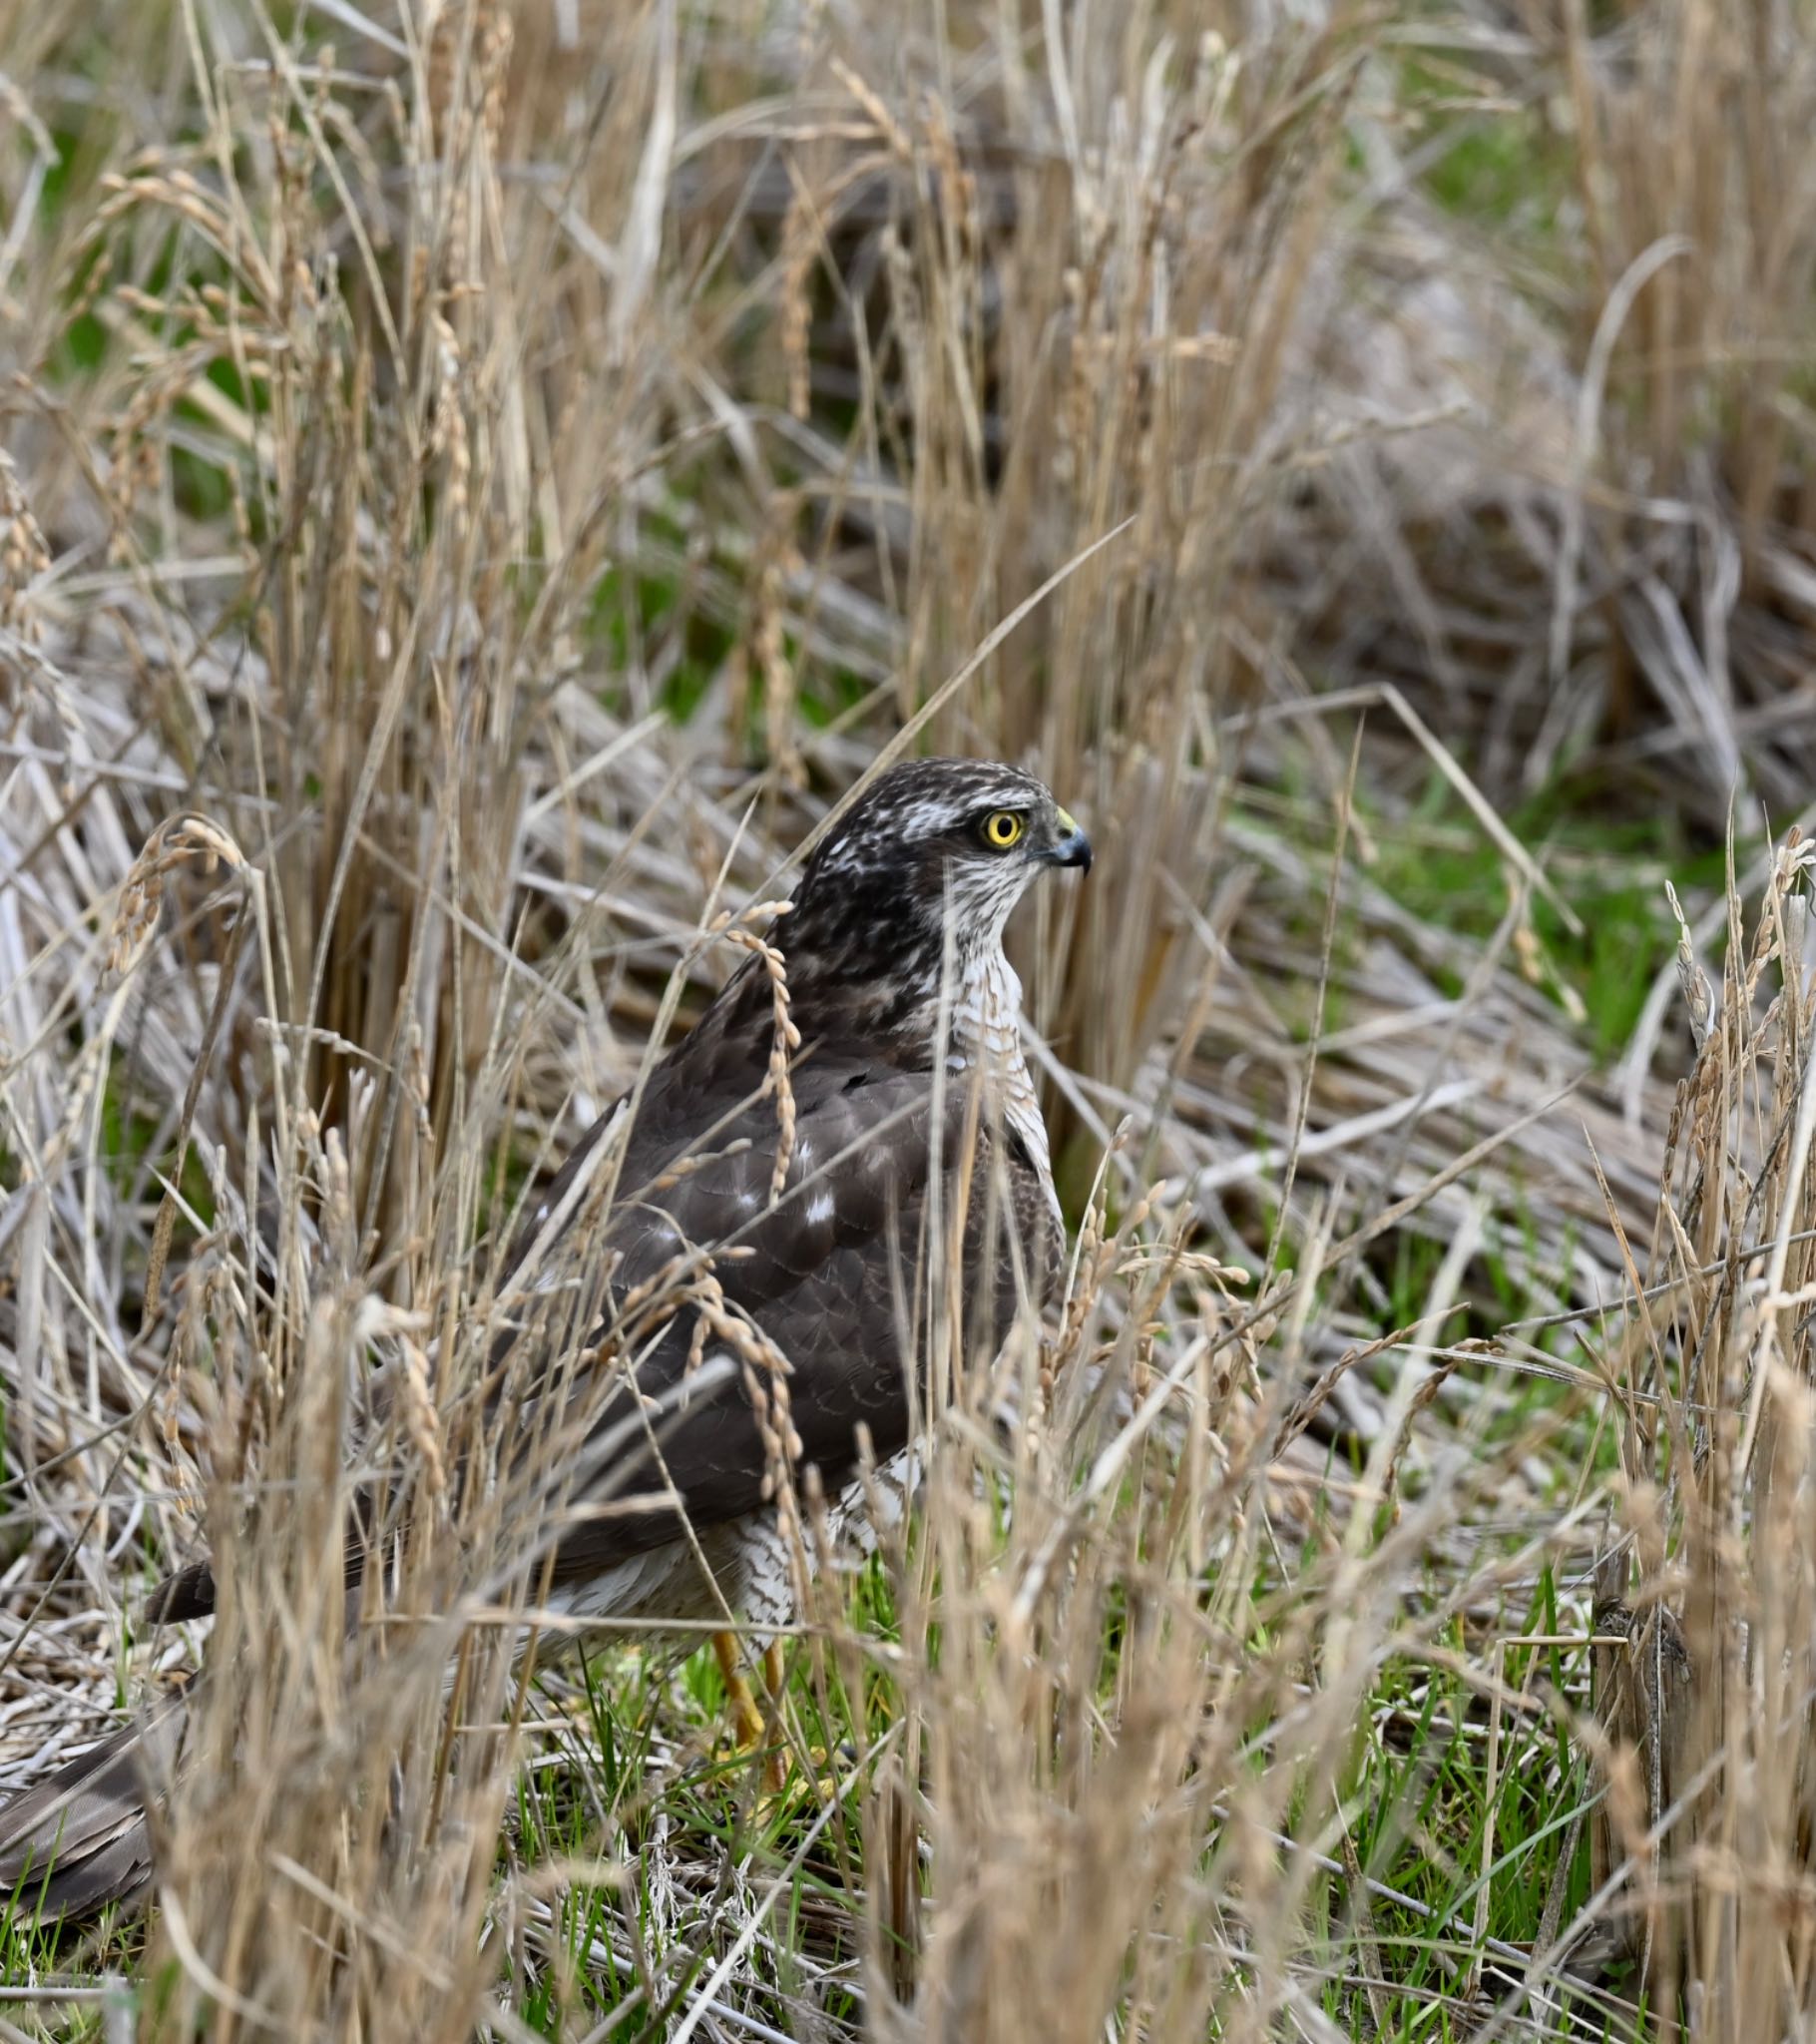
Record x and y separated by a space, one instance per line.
912 1116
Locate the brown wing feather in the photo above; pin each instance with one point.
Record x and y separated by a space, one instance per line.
79 1839
828 1272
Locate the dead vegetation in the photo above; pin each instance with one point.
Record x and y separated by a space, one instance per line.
478 482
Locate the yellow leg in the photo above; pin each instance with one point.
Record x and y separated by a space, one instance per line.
775 1767
746 1716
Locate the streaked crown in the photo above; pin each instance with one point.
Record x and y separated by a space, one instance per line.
918 877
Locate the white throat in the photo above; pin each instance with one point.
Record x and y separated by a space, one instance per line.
986 1033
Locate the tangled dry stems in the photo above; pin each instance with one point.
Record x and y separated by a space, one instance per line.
455 402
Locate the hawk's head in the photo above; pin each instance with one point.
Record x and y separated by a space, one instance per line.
915 883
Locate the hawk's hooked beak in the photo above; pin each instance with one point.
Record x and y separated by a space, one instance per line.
1071 849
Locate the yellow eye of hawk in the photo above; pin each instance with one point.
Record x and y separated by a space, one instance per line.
1001 829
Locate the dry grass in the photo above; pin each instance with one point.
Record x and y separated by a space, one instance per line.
478 483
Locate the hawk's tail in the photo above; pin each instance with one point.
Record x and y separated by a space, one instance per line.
75 1843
